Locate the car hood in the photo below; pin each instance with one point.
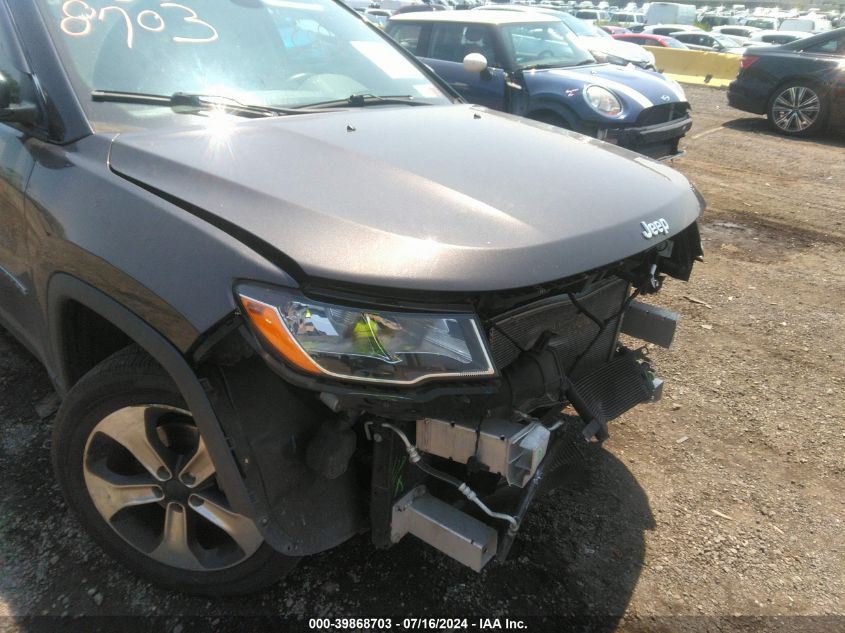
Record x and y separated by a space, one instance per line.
439 198
638 88
625 50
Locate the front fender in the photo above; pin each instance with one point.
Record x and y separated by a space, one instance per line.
574 121
64 288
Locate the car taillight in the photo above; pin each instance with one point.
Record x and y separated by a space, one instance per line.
747 61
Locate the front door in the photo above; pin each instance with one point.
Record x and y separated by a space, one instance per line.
449 44
16 164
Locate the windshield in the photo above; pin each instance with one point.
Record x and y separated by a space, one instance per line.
579 27
544 44
599 32
280 53
727 42
797 25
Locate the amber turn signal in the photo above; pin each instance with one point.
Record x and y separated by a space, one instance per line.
267 320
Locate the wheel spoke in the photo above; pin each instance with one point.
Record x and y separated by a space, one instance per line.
241 529
199 468
174 548
810 102
154 457
782 103
128 427
111 492
796 109
807 118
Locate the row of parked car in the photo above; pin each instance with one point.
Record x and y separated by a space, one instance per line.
543 64
726 39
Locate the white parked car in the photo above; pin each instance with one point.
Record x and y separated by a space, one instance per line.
626 18
702 41
775 38
669 29
764 23
808 24
741 32
592 15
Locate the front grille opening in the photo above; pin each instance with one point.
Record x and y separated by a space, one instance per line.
572 330
663 113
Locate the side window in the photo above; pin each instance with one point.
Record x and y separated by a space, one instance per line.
446 42
408 36
831 47
453 42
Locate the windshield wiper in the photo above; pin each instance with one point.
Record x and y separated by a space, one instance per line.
191 103
361 100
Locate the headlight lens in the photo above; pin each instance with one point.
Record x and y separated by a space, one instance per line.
366 345
682 96
603 101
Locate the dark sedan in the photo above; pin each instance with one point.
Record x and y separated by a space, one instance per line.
799 86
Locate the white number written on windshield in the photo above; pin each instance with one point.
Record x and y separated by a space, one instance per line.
79 18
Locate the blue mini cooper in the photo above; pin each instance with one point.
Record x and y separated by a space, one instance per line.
530 65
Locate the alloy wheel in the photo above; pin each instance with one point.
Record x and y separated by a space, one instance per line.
149 475
796 109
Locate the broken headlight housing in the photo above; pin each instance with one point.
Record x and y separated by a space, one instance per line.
365 344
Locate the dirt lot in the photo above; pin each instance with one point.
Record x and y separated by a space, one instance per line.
724 501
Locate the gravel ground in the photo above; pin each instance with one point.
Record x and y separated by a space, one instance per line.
719 508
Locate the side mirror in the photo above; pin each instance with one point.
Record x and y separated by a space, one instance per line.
475 63
12 108
10 91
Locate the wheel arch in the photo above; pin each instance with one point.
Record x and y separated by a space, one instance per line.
547 106
793 78
68 296
823 91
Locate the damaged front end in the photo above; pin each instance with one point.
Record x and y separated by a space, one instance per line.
361 426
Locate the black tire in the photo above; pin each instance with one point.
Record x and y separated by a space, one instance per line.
798 108
130 378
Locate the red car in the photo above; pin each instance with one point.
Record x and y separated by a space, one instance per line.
646 39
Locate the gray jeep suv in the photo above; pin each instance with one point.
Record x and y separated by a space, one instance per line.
291 289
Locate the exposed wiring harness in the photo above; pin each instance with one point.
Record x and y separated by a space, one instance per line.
415 458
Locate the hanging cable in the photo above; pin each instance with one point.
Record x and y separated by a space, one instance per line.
415 458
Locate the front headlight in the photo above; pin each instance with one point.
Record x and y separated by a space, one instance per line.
603 101
363 344
679 90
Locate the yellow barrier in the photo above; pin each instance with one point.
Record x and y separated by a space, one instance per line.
697 67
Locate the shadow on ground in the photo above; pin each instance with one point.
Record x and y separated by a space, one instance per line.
760 125
579 555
